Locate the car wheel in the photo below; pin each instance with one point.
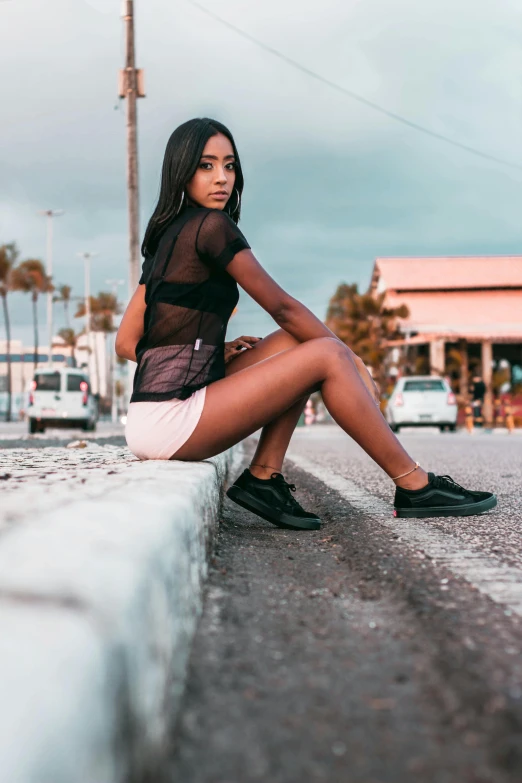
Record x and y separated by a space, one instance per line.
33 426
452 427
394 427
442 428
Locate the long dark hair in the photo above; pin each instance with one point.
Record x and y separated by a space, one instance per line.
182 155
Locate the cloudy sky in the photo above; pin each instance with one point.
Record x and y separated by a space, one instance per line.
329 183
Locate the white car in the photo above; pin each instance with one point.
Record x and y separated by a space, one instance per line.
61 398
422 401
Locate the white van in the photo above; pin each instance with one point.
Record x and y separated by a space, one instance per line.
422 401
61 398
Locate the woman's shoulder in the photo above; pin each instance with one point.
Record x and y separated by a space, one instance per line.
212 219
194 216
213 214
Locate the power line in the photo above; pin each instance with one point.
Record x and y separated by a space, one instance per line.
375 106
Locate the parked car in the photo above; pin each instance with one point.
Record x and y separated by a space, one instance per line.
61 398
422 401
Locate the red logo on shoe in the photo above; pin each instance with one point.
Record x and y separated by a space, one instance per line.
394 512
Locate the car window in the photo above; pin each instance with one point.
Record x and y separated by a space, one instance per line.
74 382
427 385
48 381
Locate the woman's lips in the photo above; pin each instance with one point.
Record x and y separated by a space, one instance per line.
219 196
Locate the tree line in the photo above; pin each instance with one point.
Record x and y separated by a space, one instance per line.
29 277
363 322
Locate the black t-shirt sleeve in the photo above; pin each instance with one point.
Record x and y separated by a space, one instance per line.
146 269
219 239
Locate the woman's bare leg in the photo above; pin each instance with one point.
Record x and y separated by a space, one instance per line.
274 440
275 436
240 404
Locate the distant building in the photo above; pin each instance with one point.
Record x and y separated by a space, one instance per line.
22 367
473 304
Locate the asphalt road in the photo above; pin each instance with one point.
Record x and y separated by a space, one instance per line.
376 650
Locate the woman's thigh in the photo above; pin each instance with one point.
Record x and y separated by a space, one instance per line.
273 343
241 403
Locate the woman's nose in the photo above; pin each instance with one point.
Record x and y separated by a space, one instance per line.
223 175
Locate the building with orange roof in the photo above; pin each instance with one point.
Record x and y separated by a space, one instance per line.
473 302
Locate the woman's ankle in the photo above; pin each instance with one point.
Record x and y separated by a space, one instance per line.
262 472
415 480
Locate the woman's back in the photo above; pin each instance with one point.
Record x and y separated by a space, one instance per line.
190 298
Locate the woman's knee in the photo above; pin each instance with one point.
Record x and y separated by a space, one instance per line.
331 347
329 352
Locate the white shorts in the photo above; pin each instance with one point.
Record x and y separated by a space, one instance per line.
156 430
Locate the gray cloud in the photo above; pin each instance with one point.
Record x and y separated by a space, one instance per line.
330 184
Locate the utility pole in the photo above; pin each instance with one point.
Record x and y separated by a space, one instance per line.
50 213
131 88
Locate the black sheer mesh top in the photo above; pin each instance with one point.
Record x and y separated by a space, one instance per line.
189 299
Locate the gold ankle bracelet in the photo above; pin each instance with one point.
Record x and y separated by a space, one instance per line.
256 465
417 465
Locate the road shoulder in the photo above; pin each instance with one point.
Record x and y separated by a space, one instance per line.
335 655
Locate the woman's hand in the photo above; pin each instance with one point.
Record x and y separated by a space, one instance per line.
235 347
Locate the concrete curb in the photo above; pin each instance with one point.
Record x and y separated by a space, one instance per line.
98 604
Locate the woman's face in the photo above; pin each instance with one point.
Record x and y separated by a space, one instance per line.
213 183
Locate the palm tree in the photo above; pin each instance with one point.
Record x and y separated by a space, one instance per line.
30 277
103 309
64 295
365 325
8 257
70 340
109 308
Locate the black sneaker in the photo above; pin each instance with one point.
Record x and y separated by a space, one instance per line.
441 497
272 499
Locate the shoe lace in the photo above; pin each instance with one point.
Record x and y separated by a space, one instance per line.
446 482
286 488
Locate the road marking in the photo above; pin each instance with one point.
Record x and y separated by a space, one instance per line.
501 583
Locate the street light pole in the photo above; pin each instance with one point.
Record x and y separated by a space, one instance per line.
131 88
50 213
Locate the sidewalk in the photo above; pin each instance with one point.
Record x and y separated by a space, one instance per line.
102 559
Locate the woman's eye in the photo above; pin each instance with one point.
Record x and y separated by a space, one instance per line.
203 165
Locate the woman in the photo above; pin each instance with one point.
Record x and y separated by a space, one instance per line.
196 395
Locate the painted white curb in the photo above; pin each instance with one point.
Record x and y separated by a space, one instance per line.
98 604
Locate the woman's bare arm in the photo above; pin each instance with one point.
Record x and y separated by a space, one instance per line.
131 327
288 313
